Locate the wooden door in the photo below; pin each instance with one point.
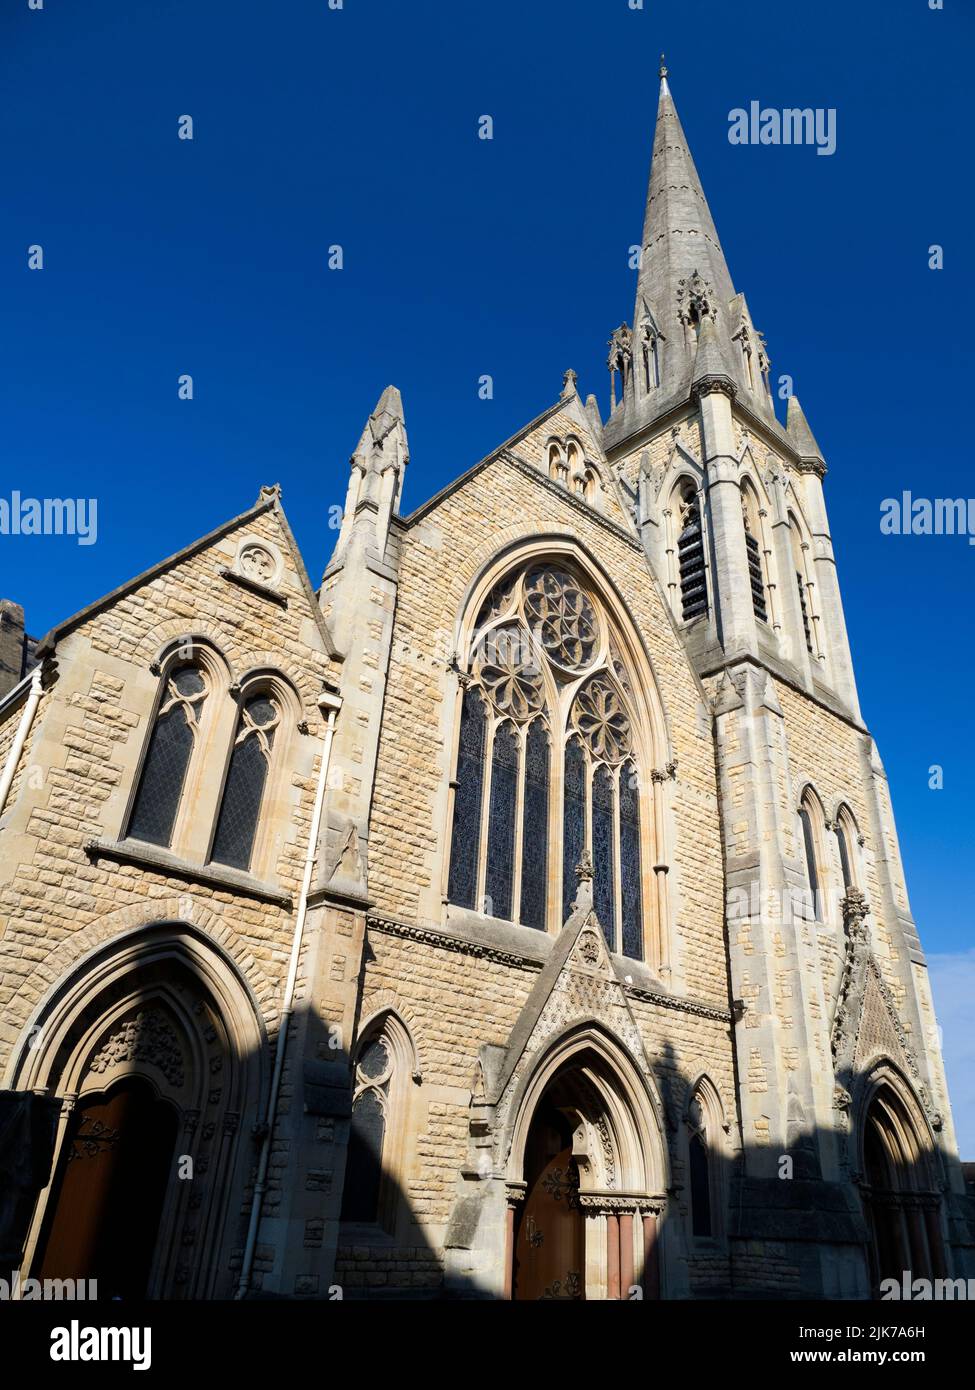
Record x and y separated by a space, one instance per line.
103 1216
550 1244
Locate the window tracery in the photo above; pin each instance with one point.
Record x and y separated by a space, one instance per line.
168 756
548 762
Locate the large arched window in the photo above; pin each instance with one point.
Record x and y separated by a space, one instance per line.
174 734
552 762
247 774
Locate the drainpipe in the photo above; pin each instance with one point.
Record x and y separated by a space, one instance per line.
330 704
17 747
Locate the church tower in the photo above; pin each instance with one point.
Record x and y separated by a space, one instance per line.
731 510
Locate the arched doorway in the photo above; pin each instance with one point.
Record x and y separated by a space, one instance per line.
107 1198
155 1049
585 1176
900 1193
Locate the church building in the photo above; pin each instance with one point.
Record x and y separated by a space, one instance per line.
519 915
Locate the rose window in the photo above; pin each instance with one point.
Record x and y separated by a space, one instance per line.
599 716
562 615
510 672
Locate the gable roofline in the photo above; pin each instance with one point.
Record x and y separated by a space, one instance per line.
268 501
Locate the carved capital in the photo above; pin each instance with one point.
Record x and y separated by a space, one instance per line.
710 385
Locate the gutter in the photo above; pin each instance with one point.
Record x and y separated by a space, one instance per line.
332 704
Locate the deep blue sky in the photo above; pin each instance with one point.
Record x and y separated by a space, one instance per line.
465 257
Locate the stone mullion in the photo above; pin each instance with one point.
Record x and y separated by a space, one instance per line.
491 724
556 822
518 856
617 866
452 795
661 875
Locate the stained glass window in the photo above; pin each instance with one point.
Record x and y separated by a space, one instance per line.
603 853
167 758
574 821
631 885
534 849
700 1187
501 825
243 791
465 840
530 726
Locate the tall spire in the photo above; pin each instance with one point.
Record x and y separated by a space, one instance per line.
684 283
679 235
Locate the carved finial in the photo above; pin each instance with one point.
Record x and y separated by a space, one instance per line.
584 869
569 380
663 65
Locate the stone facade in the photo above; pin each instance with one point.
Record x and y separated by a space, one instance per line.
355 1053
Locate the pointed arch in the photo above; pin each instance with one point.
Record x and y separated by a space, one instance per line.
594 701
759 550
800 546
385 1072
588 1089
847 835
631 1105
687 550
163 1009
193 678
704 1134
812 832
901 1176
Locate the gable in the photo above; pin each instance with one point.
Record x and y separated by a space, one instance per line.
243 586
